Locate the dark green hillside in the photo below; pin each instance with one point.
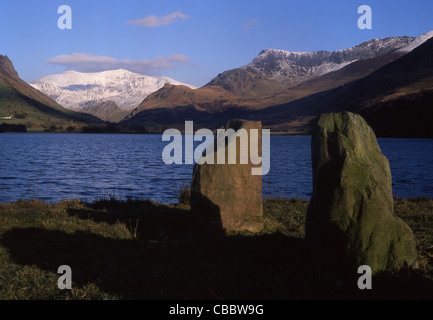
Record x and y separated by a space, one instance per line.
28 106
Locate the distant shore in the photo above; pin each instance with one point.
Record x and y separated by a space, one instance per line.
114 129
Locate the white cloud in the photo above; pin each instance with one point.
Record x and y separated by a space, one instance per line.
154 21
250 24
88 63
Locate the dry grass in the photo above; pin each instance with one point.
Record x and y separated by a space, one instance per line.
128 249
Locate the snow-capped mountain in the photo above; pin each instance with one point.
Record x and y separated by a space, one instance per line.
285 65
76 90
281 69
393 92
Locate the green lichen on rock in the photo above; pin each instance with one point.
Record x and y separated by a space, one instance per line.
350 220
227 196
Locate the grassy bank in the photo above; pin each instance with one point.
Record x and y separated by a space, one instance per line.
145 250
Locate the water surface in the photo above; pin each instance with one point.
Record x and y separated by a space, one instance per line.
54 167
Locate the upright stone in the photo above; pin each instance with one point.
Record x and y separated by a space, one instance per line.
350 219
228 197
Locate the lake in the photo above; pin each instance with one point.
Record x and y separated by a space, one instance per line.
54 167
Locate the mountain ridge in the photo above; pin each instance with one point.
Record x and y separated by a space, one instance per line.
280 69
396 99
397 86
77 90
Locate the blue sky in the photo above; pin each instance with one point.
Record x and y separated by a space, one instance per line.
189 40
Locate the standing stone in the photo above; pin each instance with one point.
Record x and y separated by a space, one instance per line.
227 197
350 219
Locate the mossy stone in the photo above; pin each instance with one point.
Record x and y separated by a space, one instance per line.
350 219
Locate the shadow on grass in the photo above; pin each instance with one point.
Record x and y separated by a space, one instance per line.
172 259
204 268
145 219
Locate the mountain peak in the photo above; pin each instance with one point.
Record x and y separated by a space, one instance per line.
296 65
282 53
276 69
6 66
371 48
76 90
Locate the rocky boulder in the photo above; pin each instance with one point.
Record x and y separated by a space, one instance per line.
227 197
350 219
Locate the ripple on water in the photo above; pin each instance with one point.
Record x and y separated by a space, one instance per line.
87 166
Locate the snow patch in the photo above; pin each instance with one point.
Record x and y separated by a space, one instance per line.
297 67
417 42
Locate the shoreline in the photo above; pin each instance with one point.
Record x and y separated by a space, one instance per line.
287 134
138 200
